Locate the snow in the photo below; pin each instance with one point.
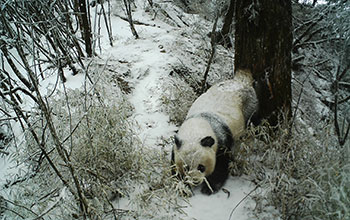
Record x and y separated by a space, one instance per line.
149 61
221 205
5 167
148 67
149 64
9 167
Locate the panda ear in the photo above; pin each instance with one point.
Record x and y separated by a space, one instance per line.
178 142
207 141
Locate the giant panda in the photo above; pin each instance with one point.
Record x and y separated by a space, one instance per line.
213 124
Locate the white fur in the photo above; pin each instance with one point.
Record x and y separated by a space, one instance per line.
228 100
191 152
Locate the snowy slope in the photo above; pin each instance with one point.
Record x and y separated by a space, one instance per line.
149 60
146 63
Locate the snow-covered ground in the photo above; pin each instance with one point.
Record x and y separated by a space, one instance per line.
221 205
149 61
5 169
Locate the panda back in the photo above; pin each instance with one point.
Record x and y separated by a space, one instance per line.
224 100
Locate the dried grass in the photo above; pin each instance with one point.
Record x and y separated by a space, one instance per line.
302 176
109 161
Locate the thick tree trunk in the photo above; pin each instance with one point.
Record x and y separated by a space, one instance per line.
263 42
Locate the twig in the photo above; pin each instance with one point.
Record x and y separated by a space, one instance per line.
298 41
51 206
73 129
108 23
4 152
342 137
28 93
9 117
213 50
319 41
298 102
239 203
21 206
15 69
69 115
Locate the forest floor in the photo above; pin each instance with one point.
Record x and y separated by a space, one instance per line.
150 60
146 64
174 46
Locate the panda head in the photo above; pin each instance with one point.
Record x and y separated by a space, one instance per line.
195 149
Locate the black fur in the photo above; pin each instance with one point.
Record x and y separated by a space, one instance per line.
221 130
225 144
220 174
178 142
207 141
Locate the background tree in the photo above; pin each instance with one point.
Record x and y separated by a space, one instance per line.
263 43
321 52
85 26
39 38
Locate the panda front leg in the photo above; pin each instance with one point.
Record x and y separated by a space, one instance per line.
218 178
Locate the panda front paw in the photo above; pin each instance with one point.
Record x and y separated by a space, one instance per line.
206 190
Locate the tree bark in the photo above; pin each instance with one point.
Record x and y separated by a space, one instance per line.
224 37
263 43
85 27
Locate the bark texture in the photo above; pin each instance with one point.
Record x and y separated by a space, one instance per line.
263 42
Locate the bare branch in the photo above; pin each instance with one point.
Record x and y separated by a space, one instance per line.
22 90
15 69
212 54
342 137
127 6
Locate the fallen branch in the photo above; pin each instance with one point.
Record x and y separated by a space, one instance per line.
136 22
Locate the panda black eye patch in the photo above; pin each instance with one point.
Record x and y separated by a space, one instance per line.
207 141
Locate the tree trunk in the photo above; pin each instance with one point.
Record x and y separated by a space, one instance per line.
224 37
127 5
85 26
263 43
